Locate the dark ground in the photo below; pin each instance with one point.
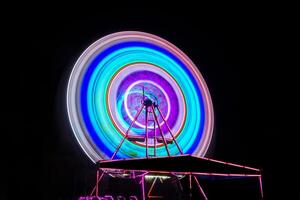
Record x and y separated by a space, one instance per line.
239 55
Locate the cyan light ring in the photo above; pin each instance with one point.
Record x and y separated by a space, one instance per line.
87 91
181 116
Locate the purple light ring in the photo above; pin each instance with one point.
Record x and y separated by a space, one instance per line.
177 133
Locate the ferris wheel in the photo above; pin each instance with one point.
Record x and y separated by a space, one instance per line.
108 90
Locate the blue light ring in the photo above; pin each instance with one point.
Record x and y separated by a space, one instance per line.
152 63
102 54
126 65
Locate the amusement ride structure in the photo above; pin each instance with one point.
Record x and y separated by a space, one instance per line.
140 108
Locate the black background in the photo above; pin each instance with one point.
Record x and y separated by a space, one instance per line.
237 54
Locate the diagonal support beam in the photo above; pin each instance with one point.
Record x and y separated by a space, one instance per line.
146 123
161 132
200 188
174 139
143 187
98 179
126 134
261 188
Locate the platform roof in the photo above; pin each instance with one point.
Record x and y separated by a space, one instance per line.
180 164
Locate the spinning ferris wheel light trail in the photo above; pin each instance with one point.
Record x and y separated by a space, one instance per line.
104 95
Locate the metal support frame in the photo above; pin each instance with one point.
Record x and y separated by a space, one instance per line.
178 180
191 175
160 131
200 188
151 187
126 134
143 187
149 104
261 187
98 179
146 130
154 125
190 184
174 139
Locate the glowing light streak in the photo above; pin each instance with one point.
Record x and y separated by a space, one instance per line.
103 95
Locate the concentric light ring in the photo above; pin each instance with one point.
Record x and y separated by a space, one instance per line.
96 95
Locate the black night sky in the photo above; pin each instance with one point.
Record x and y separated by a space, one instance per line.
234 52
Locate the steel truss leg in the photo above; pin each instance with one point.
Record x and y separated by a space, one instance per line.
126 134
174 139
143 187
261 188
200 188
190 181
178 180
151 188
152 185
98 179
146 132
154 124
162 135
